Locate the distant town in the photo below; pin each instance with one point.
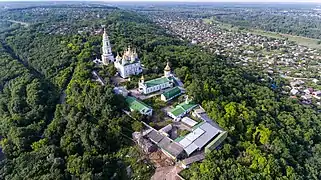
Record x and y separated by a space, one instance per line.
275 56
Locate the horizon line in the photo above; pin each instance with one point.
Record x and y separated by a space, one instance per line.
179 1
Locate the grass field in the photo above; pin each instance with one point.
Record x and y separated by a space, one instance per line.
304 41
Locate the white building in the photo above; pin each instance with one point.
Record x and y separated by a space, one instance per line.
128 64
107 56
157 84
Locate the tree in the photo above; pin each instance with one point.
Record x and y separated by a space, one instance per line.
137 126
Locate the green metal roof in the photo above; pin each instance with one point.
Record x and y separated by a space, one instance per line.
135 104
173 92
183 107
158 81
187 105
177 111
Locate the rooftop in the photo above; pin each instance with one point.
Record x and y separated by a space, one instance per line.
177 111
199 137
192 159
158 81
165 143
173 92
174 149
135 104
210 133
155 136
183 107
190 122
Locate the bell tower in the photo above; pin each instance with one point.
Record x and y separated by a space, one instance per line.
167 70
107 56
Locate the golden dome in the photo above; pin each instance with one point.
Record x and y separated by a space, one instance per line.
167 68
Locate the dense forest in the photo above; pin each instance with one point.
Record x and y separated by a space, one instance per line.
86 135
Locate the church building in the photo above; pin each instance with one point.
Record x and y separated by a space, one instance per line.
157 84
128 64
107 56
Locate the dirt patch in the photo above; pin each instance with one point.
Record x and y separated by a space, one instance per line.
166 168
159 159
167 173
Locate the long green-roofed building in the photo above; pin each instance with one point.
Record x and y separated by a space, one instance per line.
137 105
180 110
167 81
171 94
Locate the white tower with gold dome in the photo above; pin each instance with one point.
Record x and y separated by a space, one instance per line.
167 70
107 56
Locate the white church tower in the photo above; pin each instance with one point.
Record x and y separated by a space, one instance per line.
107 56
167 71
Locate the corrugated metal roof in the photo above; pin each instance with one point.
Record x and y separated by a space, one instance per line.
185 142
170 93
167 128
198 138
182 108
158 81
207 136
155 136
164 142
190 149
205 118
209 128
174 149
195 134
193 159
189 121
135 104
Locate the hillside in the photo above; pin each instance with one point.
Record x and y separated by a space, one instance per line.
87 137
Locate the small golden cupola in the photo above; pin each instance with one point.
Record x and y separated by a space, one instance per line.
142 79
167 70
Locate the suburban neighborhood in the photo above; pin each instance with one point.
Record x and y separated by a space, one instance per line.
273 54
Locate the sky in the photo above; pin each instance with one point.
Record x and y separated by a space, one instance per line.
259 1
237 1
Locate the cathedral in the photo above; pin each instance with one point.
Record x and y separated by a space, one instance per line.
107 56
128 64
